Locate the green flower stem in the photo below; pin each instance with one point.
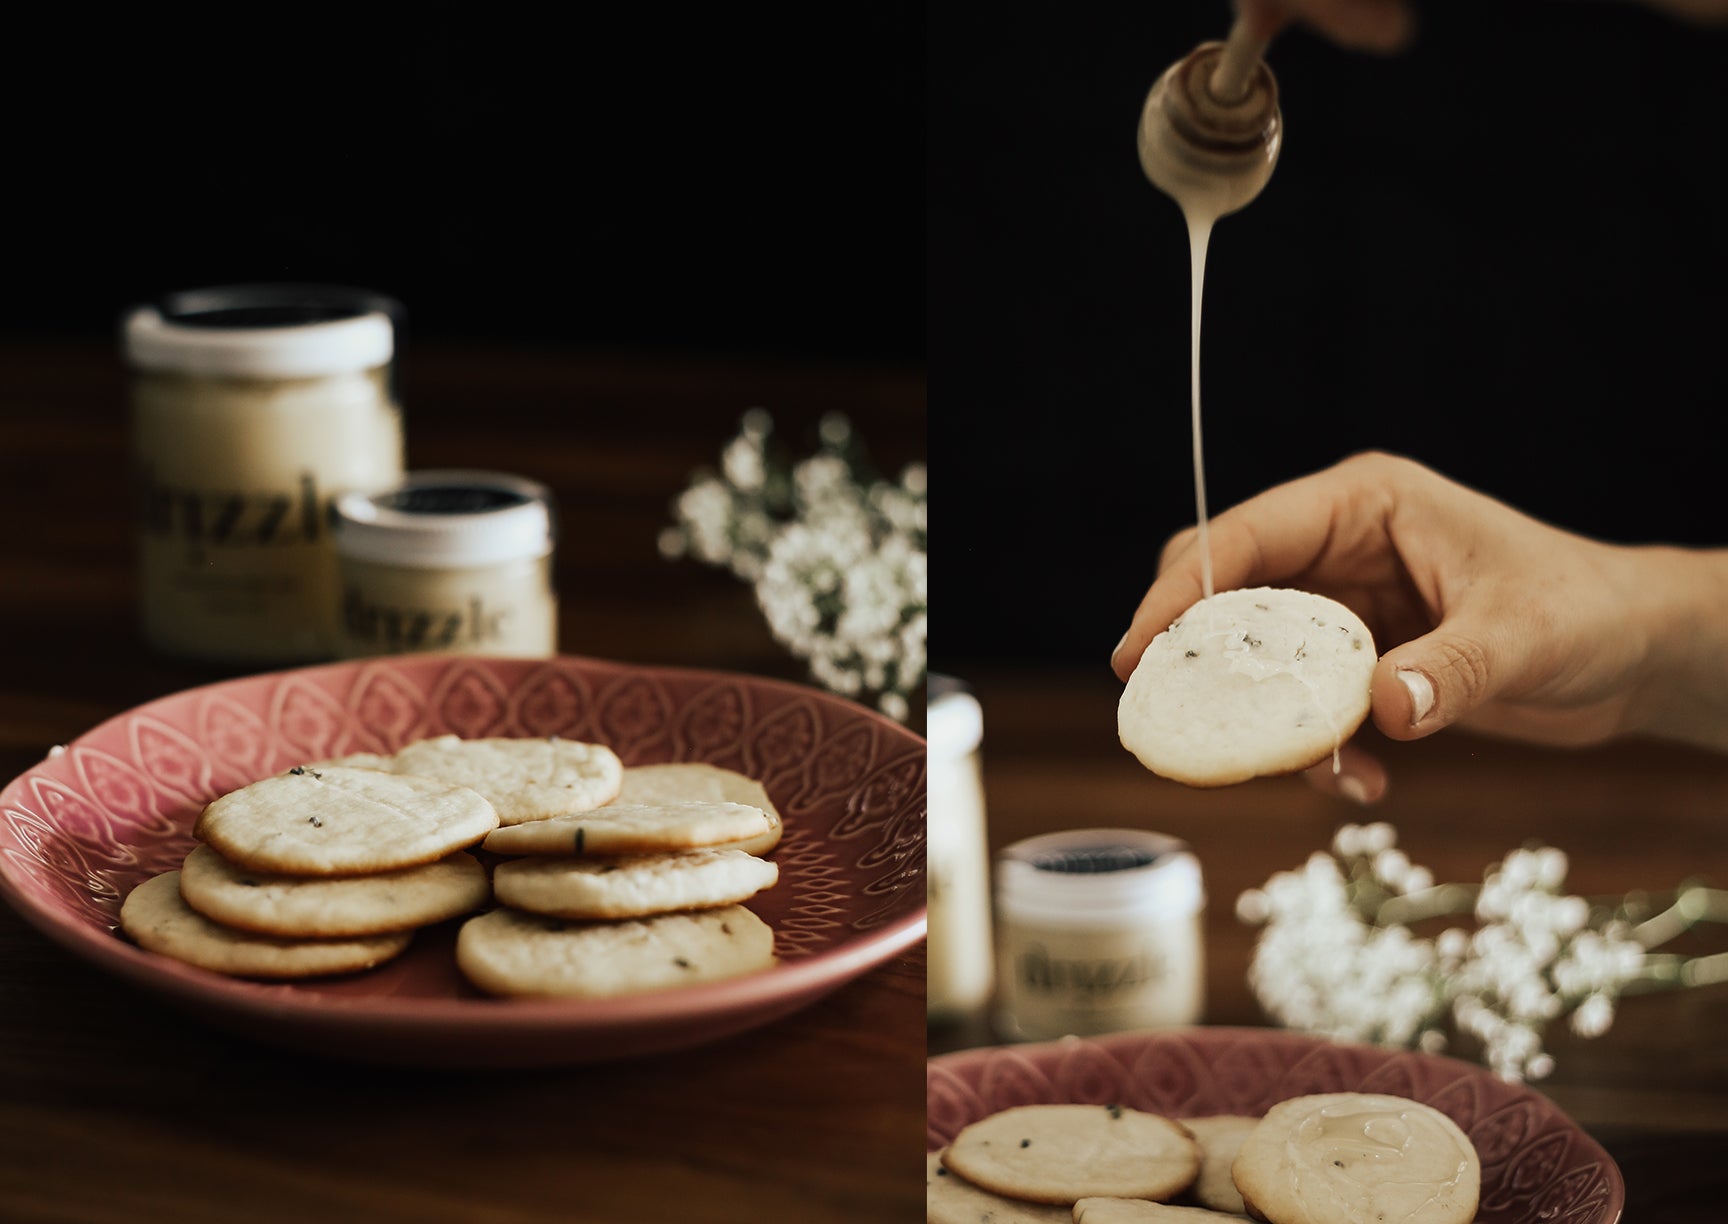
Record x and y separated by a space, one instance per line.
1691 906
1705 970
1667 971
1435 902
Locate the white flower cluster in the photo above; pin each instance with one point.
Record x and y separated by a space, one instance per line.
1323 967
1533 957
838 559
1338 957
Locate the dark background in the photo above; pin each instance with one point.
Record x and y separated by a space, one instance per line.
1501 252
734 180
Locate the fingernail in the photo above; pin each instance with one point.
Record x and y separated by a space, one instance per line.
1119 646
1354 789
1421 691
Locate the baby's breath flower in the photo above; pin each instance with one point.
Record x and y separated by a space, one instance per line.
1336 958
838 559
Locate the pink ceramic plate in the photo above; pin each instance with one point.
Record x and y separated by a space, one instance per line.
1536 1164
108 811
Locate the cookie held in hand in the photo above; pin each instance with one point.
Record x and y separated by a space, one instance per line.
1249 683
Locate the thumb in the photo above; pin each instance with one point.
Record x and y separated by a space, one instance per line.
1431 682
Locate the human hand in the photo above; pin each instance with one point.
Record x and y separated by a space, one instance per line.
1482 615
1365 25
1389 25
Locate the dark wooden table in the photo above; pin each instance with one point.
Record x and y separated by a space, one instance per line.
1653 1090
115 1107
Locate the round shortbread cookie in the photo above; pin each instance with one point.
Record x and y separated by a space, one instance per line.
325 906
1220 1138
1063 1153
632 886
1247 684
506 952
693 781
340 821
525 779
157 918
637 828
1139 1211
951 1199
354 760
1358 1156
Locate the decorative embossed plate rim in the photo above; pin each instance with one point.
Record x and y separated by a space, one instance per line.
1537 1164
116 806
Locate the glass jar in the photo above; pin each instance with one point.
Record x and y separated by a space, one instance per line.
1098 931
447 560
961 968
252 407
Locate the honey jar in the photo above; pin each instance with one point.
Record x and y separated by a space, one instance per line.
447 561
252 407
1098 931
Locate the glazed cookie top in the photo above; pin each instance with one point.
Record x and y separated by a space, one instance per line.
1346 1156
1246 684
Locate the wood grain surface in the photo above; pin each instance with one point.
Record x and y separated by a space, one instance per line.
115 1107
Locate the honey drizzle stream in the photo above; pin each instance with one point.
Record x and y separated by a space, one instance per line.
1199 236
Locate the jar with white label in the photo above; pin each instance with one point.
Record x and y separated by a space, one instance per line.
447 561
1098 931
252 407
961 958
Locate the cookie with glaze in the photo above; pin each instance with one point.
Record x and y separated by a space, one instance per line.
1249 683
1343 1157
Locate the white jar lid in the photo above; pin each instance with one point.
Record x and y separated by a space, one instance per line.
955 719
444 518
264 331
1087 877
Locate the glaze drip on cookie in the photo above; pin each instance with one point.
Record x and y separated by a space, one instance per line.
1358 1156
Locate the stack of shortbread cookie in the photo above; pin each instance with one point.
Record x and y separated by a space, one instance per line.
1338 1158
633 882
314 871
642 894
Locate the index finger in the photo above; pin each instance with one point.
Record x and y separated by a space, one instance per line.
1263 541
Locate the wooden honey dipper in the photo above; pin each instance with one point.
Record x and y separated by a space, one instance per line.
1211 128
